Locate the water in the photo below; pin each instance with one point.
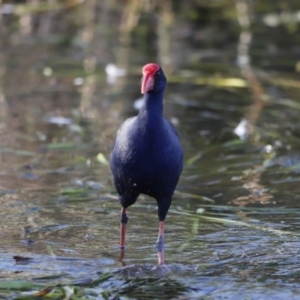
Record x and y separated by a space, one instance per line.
233 226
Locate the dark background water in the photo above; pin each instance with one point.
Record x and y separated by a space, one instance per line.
70 75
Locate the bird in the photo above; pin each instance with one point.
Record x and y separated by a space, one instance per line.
147 157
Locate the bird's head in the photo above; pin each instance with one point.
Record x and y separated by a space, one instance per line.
153 79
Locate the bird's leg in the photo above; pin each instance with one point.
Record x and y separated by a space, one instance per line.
124 220
121 257
160 243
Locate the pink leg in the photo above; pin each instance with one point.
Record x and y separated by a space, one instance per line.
160 243
121 257
124 220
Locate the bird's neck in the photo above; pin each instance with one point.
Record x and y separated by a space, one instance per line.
152 109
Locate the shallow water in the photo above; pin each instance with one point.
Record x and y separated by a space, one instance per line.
233 226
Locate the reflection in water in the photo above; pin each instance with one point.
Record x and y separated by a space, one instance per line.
246 128
89 61
258 192
26 24
164 33
129 20
3 103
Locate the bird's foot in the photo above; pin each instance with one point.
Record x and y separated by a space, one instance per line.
162 269
122 256
160 249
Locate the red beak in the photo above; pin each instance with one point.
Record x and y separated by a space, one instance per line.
147 83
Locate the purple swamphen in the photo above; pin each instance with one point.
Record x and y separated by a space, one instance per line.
147 157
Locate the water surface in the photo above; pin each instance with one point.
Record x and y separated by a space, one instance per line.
233 226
